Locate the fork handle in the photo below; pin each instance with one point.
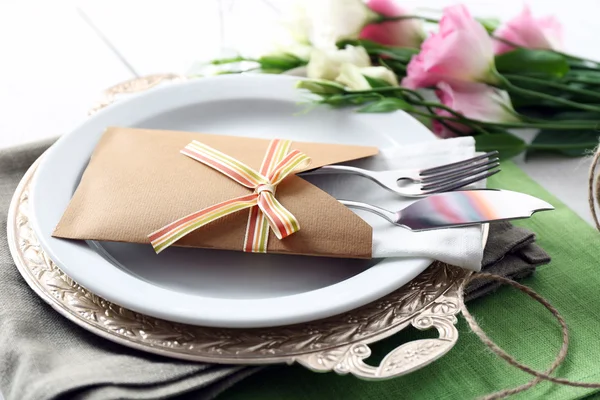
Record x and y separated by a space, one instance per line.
382 212
340 169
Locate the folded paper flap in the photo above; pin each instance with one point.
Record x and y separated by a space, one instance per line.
137 181
250 151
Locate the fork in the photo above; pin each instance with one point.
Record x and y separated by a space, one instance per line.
425 182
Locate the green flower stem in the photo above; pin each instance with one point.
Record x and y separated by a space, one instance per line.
579 124
577 58
445 120
579 66
548 83
507 85
504 125
562 146
446 125
563 124
397 67
403 17
232 60
459 118
590 82
456 117
430 107
560 53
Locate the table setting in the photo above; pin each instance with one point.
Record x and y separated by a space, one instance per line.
295 234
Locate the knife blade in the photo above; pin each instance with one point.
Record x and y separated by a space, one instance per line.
460 208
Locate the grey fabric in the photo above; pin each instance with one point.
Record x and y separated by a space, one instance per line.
44 356
510 252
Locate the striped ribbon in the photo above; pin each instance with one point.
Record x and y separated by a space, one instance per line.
265 210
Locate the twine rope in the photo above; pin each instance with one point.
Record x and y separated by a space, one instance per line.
594 190
539 376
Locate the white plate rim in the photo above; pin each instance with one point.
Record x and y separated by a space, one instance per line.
219 312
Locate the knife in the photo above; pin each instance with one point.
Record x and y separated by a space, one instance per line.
459 208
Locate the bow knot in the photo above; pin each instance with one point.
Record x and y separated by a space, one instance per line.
265 210
265 187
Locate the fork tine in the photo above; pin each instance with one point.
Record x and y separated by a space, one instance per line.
457 177
459 171
445 167
457 185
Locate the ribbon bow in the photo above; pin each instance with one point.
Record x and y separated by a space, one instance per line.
265 210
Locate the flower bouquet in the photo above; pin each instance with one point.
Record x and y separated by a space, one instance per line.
469 76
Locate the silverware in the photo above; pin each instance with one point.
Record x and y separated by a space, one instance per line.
459 208
421 183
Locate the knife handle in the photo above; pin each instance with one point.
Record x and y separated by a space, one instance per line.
382 212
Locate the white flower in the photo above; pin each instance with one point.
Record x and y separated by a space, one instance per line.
296 21
302 51
326 64
324 22
353 77
278 40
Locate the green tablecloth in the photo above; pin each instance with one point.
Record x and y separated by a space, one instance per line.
521 326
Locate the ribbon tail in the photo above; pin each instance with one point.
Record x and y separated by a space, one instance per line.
280 219
257 232
257 229
169 234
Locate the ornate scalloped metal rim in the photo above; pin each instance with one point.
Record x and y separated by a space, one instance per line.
339 343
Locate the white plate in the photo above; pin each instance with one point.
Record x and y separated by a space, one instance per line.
209 287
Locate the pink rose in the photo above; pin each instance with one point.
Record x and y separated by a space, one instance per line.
402 33
475 101
526 31
461 51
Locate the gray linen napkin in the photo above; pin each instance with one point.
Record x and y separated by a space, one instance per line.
44 356
510 252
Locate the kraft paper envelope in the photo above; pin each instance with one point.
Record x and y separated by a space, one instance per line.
137 181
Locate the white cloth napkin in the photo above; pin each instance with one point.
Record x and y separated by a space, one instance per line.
457 246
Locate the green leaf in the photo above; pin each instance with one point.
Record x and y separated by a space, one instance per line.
281 62
574 143
386 105
528 61
397 67
376 83
490 24
321 86
376 49
397 53
222 61
346 99
508 145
